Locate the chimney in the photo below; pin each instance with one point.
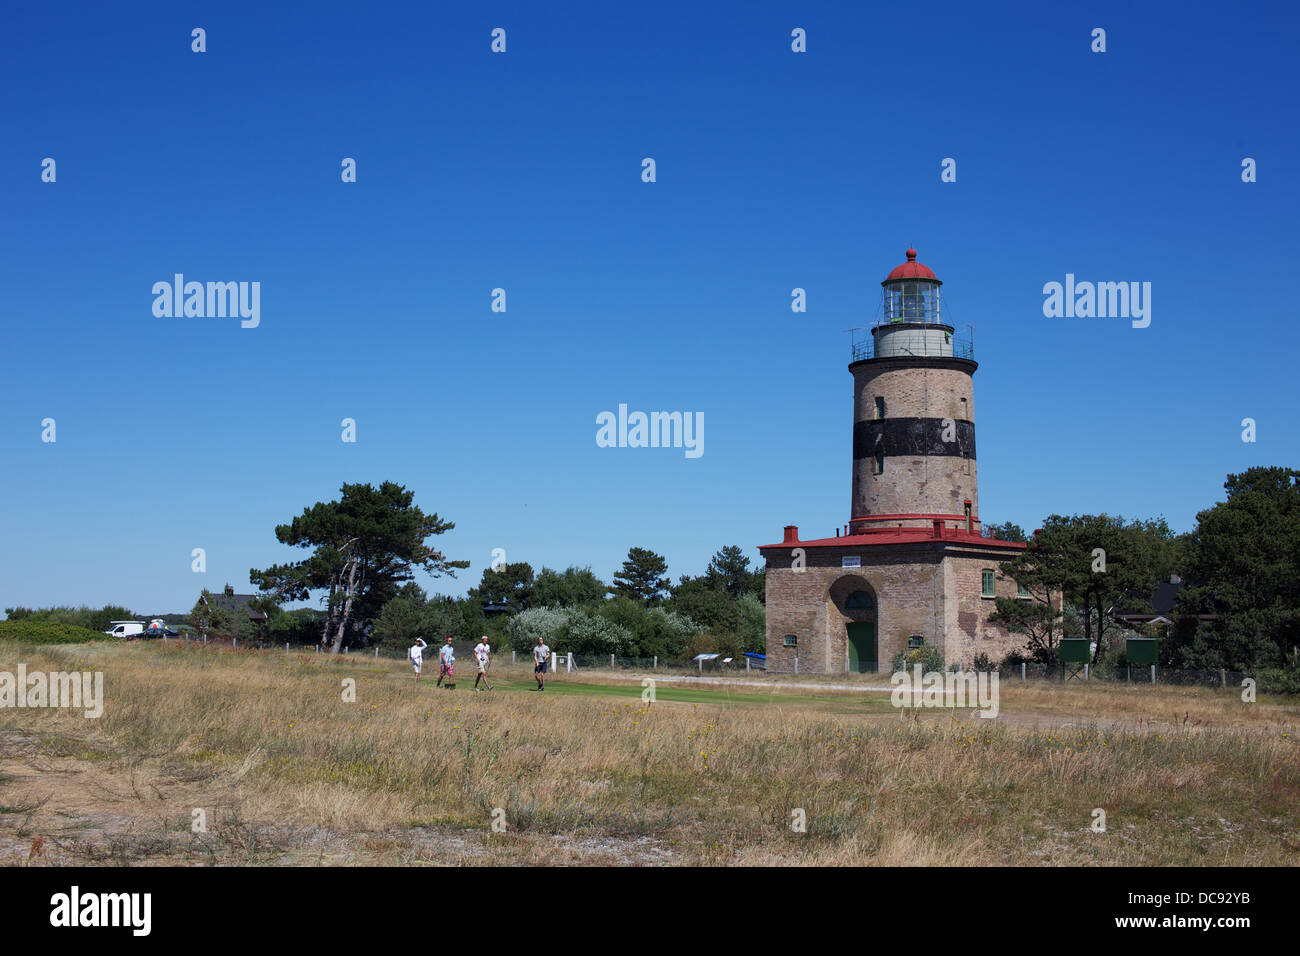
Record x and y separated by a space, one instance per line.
791 534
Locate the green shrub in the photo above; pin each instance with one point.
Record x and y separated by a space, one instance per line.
1278 680
930 659
48 632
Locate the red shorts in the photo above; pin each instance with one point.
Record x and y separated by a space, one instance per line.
447 670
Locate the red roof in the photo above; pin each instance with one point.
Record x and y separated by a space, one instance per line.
911 269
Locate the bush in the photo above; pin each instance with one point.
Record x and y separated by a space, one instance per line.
48 632
89 618
527 626
930 659
983 662
652 631
1278 680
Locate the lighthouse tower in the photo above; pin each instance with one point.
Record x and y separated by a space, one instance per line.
913 411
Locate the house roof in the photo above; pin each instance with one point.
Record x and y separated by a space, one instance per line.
233 603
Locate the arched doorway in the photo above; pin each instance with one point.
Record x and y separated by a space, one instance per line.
854 608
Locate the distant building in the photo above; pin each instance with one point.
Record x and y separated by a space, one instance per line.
910 568
234 604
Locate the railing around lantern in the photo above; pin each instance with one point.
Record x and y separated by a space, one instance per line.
962 344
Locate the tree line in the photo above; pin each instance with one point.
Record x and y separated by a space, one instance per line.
1239 607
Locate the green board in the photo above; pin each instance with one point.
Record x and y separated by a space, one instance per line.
1075 650
1142 650
862 648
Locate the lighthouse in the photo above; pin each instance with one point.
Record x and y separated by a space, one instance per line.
909 569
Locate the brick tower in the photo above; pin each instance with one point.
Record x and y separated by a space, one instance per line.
913 410
910 568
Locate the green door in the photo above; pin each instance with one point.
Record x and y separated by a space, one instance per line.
862 648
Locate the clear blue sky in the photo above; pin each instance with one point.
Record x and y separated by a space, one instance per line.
775 170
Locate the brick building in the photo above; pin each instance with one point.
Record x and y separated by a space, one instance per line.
910 567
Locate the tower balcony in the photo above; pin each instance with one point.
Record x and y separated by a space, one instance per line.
896 338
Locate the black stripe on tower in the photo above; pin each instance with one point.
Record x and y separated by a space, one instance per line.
914 437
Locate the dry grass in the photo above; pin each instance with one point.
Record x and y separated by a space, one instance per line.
287 772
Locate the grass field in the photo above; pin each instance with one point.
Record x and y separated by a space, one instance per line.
286 772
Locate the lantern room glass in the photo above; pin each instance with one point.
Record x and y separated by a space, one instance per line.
912 300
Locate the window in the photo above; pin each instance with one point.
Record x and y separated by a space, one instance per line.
880 462
859 601
880 408
916 640
986 583
790 640
1021 590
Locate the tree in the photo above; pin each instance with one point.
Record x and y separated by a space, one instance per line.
365 545
510 585
404 618
1007 531
642 577
1098 562
1243 565
729 570
207 616
573 587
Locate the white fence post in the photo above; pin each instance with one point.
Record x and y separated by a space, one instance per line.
611 660
234 642
796 663
701 663
1153 673
656 663
1022 672
746 665
1085 671
376 653
512 657
568 662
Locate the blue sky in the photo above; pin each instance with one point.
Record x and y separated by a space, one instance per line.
522 170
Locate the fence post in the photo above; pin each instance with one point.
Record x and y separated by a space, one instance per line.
1085 671
1022 672
796 663
512 657
656 664
376 653
611 661
746 665
1153 673
1130 672
701 663
1223 677
568 663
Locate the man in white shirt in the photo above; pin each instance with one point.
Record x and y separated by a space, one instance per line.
416 654
482 652
448 669
541 654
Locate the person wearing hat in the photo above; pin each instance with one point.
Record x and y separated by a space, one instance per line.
482 653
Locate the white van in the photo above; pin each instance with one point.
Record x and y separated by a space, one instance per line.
125 628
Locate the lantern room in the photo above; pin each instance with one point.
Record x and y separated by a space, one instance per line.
911 293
